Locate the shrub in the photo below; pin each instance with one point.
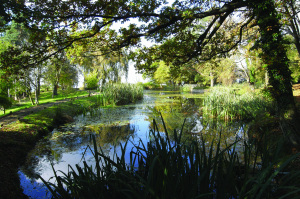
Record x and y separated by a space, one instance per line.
5 103
187 88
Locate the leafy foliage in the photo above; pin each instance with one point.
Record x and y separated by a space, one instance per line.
91 80
162 74
185 32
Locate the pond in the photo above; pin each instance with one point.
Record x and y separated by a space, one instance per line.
69 144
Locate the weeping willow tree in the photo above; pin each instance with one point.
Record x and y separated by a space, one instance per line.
105 66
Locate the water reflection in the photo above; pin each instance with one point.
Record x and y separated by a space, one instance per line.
67 145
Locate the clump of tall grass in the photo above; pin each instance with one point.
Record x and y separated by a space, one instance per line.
227 103
165 168
121 93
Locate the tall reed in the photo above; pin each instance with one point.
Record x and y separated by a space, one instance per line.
121 93
226 103
165 168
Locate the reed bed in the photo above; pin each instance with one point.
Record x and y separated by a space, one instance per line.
226 103
172 168
121 93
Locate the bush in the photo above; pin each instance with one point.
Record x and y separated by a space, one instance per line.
5 102
187 88
121 93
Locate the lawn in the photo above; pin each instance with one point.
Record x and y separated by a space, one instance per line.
45 97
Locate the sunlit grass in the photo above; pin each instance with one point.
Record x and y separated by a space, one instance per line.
45 97
42 120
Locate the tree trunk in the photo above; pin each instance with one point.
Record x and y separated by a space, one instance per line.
36 96
39 81
29 95
293 27
274 56
211 79
274 53
54 90
16 97
37 86
266 78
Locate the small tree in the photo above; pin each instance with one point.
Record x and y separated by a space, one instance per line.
162 73
5 102
91 81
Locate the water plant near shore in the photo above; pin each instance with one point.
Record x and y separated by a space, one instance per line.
121 93
226 103
172 168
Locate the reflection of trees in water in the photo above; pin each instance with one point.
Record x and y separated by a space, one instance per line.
113 134
117 114
180 109
105 116
174 112
70 141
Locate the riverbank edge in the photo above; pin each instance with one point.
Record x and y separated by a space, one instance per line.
19 138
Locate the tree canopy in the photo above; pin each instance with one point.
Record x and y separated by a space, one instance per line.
184 31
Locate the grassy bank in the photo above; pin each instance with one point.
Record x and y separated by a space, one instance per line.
17 139
45 97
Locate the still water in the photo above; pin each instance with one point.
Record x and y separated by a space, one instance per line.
69 144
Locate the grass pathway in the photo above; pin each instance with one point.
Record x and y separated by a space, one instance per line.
13 117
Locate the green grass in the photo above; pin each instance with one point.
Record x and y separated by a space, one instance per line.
172 168
45 97
44 118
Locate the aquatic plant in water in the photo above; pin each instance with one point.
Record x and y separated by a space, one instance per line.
121 93
172 168
226 103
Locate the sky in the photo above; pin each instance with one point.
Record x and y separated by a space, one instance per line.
133 76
